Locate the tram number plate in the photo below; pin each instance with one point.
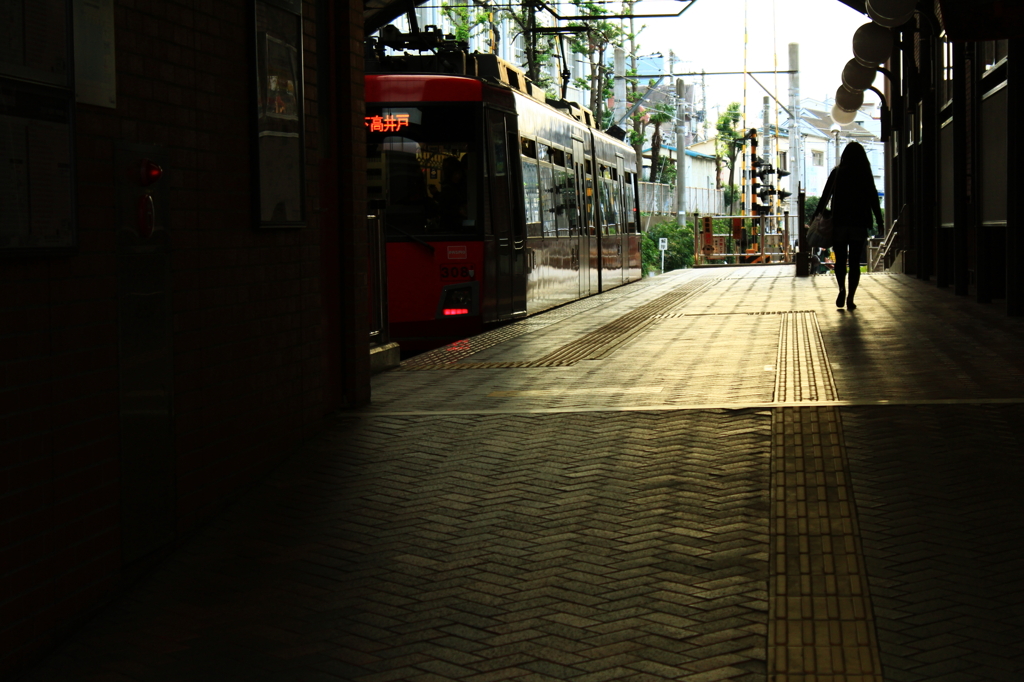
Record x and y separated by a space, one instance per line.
456 271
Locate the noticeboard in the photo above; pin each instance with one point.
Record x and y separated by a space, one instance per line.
279 128
37 203
37 178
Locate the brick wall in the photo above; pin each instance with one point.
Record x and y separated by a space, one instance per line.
263 320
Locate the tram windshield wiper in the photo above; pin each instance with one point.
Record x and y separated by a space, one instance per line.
412 237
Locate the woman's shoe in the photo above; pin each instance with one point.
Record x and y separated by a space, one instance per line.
841 299
850 305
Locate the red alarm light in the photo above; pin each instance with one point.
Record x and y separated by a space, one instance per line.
149 172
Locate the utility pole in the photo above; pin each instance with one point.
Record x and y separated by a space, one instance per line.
680 154
795 151
620 85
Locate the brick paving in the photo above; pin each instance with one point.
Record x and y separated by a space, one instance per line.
942 518
710 475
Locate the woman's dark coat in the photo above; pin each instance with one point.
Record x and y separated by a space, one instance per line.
853 204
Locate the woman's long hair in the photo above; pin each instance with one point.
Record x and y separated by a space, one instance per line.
854 161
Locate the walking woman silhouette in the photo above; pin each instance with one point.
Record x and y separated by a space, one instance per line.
851 187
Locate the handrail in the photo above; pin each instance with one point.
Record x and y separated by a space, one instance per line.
888 242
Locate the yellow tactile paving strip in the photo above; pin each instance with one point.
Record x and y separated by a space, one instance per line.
803 369
820 621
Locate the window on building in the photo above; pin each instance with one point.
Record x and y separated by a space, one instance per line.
818 158
947 72
994 51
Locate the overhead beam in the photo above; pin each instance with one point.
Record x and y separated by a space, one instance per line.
379 13
859 5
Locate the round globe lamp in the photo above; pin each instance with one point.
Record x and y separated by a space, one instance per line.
841 116
849 101
872 44
890 13
856 76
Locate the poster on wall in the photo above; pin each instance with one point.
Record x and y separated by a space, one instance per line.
279 130
36 170
95 63
36 131
34 41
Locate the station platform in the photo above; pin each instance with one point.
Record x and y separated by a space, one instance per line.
707 475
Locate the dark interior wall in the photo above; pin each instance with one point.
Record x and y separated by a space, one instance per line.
146 382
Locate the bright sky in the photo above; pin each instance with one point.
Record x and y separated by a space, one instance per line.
709 36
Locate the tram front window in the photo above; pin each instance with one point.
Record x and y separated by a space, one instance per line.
422 168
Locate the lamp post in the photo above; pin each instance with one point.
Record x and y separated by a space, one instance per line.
835 130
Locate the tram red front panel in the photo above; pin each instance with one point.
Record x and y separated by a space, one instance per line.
416 276
420 88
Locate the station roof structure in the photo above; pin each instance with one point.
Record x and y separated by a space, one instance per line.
378 13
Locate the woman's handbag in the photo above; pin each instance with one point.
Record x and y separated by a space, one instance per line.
819 232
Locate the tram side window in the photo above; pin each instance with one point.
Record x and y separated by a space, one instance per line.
589 204
609 207
550 207
606 189
630 207
531 194
565 202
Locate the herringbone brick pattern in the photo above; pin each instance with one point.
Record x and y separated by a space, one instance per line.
592 345
552 547
941 513
908 340
621 296
608 519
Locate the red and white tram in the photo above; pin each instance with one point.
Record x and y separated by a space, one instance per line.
496 204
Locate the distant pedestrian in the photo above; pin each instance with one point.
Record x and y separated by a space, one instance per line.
851 187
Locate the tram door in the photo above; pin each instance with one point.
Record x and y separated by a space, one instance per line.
507 236
583 220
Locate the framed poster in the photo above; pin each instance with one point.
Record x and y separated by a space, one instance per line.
37 171
37 186
34 41
278 144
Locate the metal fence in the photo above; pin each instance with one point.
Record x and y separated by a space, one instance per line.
769 239
659 199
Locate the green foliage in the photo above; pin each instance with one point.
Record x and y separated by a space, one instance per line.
726 147
540 48
600 38
465 22
660 114
731 194
666 171
680 247
810 205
